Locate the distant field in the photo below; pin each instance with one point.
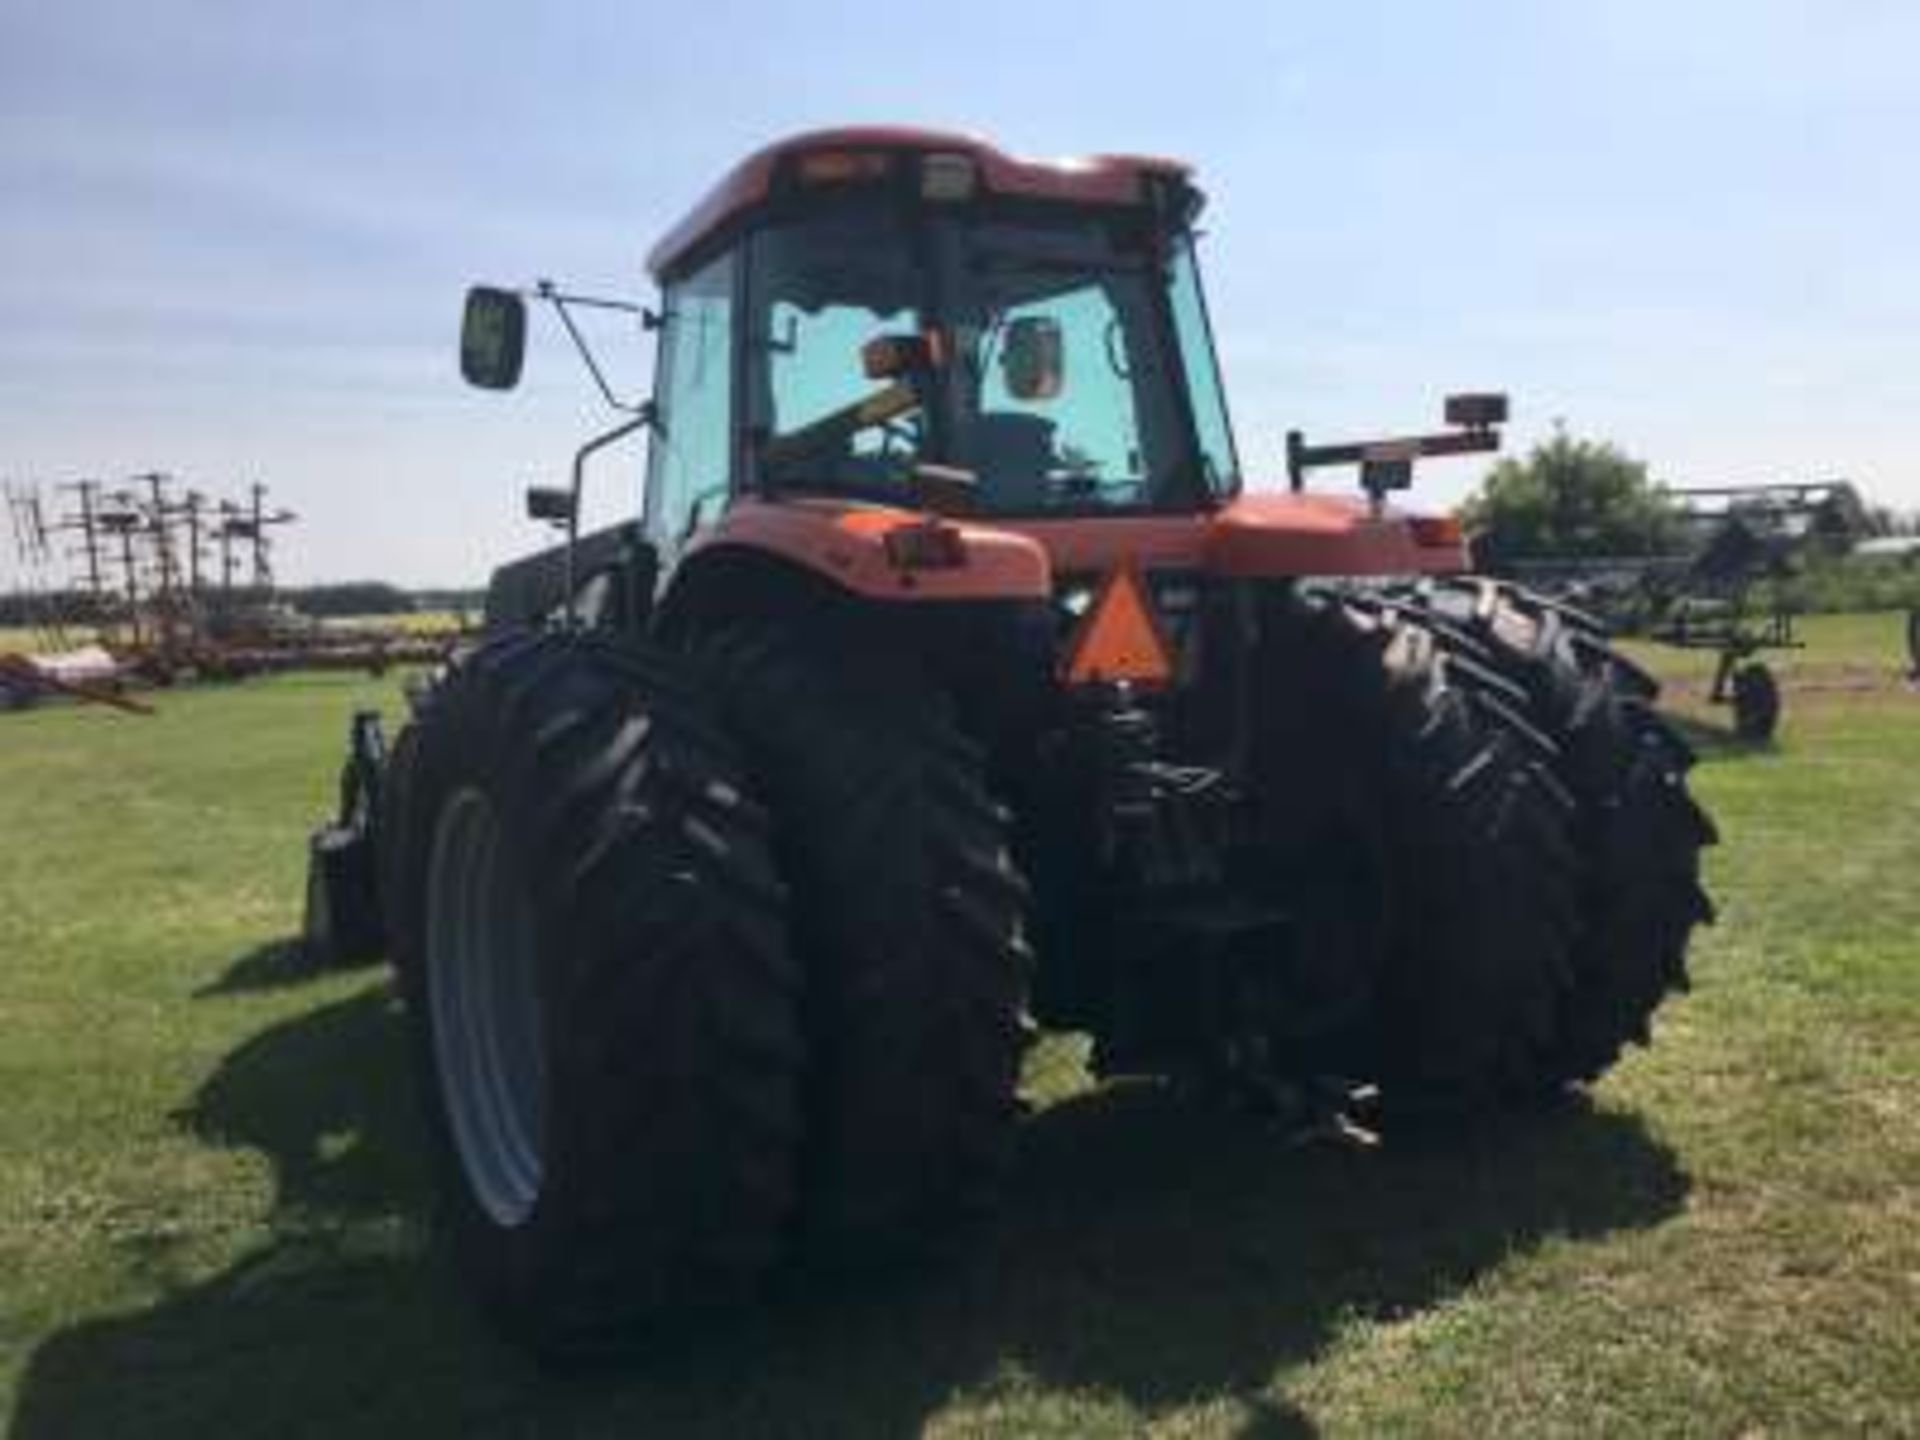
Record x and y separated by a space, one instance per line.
24 640
212 1217
416 622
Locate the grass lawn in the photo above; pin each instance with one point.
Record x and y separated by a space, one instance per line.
212 1218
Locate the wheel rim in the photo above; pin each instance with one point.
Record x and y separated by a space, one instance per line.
484 996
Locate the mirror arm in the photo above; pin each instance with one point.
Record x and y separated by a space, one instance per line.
554 296
641 418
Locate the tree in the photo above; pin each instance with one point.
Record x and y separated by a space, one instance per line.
354 597
1569 499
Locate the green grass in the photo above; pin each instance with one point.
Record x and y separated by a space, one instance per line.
19 640
1838 651
211 1215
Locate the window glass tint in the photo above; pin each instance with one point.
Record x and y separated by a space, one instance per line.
1203 372
690 455
1101 428
1081 441
822 290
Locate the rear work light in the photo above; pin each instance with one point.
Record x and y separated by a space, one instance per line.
842 167
1434 531
926 545
948 177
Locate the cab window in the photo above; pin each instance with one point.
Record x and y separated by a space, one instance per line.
690 462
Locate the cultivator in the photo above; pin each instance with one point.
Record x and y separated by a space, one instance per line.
173 585
953 680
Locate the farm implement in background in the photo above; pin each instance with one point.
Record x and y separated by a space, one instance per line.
145 584
1721 587
88 675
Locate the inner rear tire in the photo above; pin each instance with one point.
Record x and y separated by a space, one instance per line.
591 945
908 919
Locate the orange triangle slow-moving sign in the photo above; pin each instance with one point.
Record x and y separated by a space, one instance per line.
1118 638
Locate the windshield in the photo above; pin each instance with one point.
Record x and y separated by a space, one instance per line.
1045 356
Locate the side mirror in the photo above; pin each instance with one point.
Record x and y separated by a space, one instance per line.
493 338
1033 359
553 505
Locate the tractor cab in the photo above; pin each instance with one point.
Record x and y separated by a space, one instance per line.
882 325
884 304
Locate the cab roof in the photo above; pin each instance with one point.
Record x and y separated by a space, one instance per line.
1089 180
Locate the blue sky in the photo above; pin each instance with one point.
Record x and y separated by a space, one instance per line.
235 236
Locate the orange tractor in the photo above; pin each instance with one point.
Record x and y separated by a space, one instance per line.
955 679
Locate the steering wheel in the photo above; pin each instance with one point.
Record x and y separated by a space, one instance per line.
1075 485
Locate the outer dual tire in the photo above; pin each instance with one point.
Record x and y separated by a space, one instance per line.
590 940
680 1006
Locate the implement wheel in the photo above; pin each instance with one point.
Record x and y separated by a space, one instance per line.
908 920
591 946
1756 702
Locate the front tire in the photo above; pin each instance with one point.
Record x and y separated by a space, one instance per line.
591 945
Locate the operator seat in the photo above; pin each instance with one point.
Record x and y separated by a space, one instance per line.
1012 454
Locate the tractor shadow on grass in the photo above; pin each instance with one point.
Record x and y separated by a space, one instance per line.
1714 742
1155 1253
270 965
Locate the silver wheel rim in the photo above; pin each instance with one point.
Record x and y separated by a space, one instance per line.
484 996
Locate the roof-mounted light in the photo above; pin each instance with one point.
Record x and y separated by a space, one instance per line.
948 177
842 167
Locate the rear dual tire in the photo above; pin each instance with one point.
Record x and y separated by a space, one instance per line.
1637 830
590 940
610 952
1502 775
1382 746
908 920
